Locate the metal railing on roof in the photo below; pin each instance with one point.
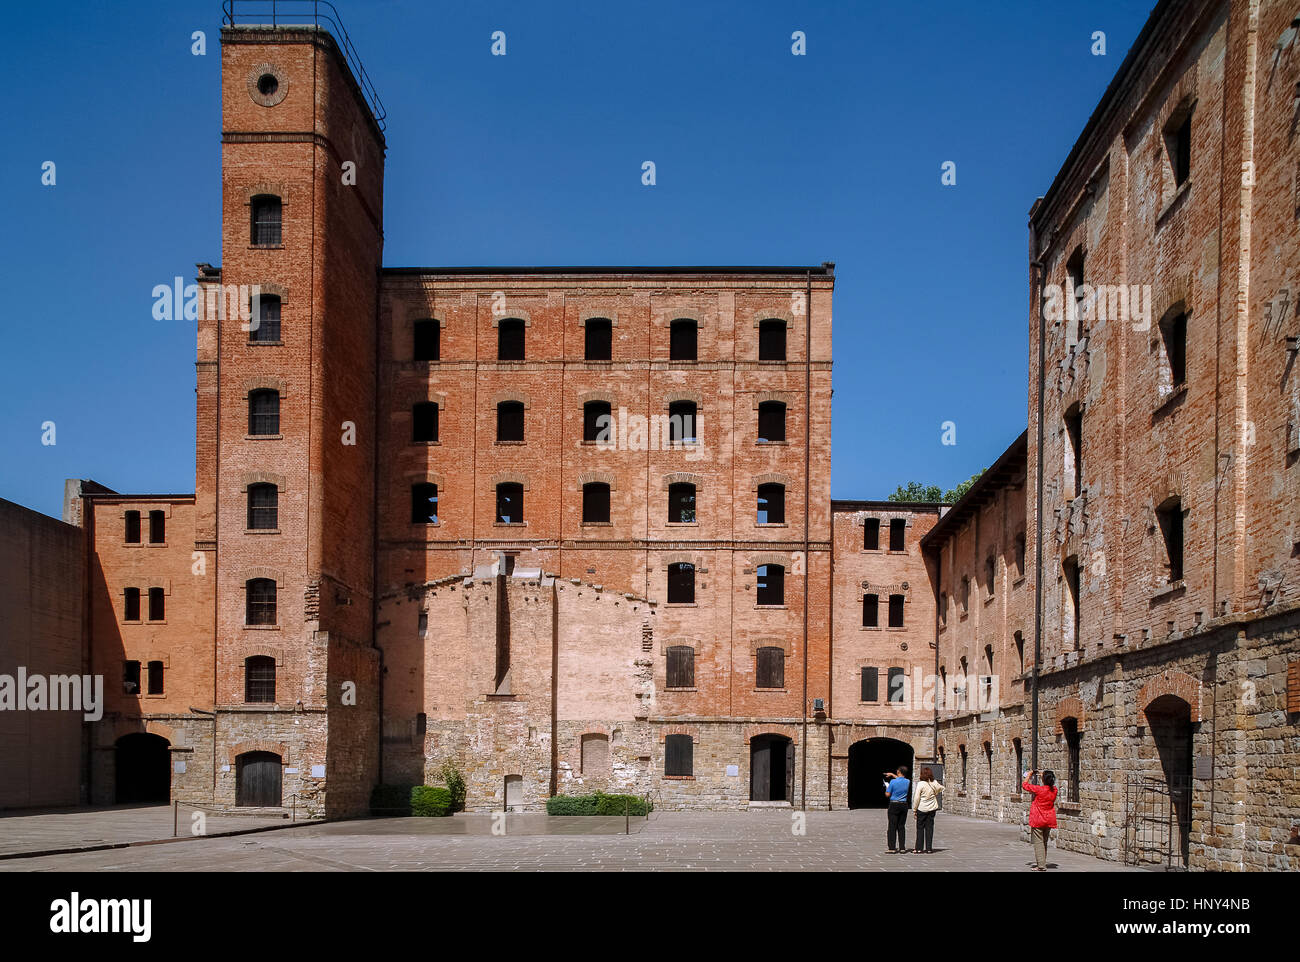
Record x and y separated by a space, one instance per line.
317 13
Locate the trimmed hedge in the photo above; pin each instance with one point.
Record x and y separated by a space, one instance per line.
597 804
430 802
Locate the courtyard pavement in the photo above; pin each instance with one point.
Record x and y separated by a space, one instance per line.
666 841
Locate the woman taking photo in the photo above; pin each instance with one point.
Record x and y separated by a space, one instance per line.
1042 814
925 802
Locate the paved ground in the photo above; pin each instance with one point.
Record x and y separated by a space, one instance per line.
669 841
55 829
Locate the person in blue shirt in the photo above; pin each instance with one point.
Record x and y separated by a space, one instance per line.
898 792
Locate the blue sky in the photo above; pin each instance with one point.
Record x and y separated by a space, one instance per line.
535 158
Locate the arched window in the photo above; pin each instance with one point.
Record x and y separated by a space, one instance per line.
596 421
426 340
510 421
681 667
259 679
424 421
598 339
681 503
771 504
424 503
771 340
682 417
510 503
769 667
681 583
771 422
264 412
595 503
263 507
510 339
266 210
1073 746
259 601
266 310
679 751
771 584
683 339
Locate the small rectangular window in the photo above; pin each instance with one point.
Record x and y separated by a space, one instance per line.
897 682
681 667
132 535
157 527
871 611
155 677
156 604
897 534
895 611
871 536
679 751
131 677
131 604
871 684
1170 516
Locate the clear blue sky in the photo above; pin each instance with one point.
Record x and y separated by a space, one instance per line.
535 158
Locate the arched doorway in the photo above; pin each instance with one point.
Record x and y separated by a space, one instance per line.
143 768
1170 719
771 769
257 780
869 759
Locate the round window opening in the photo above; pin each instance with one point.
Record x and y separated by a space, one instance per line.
267 84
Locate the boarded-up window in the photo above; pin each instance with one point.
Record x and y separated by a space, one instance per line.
871 684
679 755
595 754
897 682
681 667
769 667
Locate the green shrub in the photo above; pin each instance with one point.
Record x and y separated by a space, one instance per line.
597 804
455 783
391 800
428 801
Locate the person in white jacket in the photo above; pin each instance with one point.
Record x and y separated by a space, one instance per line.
925 803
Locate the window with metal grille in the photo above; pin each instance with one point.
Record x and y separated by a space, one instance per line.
424 503
424 422
988 769
769 667
681 666
426 340
681 503
682 416
895 611
897 534
871 611
263 507
771 340
266 213
771 584
259 601
259 679
266 310
679 751
962 749
595 503
264 412
596 421
771 422
771 504
510 421
871 534
131 604
131 677
510 339
598 339
1073 745
157 607
157 527
510 503
681 583
155 678
897 683
132 534
683 339
870 684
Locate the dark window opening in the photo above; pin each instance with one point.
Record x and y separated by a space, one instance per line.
510 421
267 310
1074 450
678 755
595 503
681 666
259 601
1070 568
681 503
1020 556
426 340
871 684
597 420
157 605
157 527
1170 515
131 604
1178 143
131 677
771 504
990 574
683 340
132 534
871 534
155 678
681 422
510 339
897 683
771 422
424 421
510 503
266 214
424 503
871 611
1174 332
897 534
771 584
770 667
598 339
259 679
681 583
1073 744
1074 268
771 340
264 412
895 611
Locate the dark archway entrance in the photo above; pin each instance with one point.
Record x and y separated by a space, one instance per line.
1170 718
143 769
771 769
869 759
257 780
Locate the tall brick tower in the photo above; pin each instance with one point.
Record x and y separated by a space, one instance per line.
286 421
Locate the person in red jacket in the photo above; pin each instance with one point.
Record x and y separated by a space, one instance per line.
1042 814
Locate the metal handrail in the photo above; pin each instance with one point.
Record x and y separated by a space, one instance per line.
323 14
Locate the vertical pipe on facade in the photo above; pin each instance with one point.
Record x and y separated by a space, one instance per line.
807 491
1035 305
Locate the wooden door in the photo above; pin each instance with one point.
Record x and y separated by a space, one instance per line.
257 780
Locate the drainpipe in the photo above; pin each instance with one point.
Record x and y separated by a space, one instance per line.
807 492
1035 304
